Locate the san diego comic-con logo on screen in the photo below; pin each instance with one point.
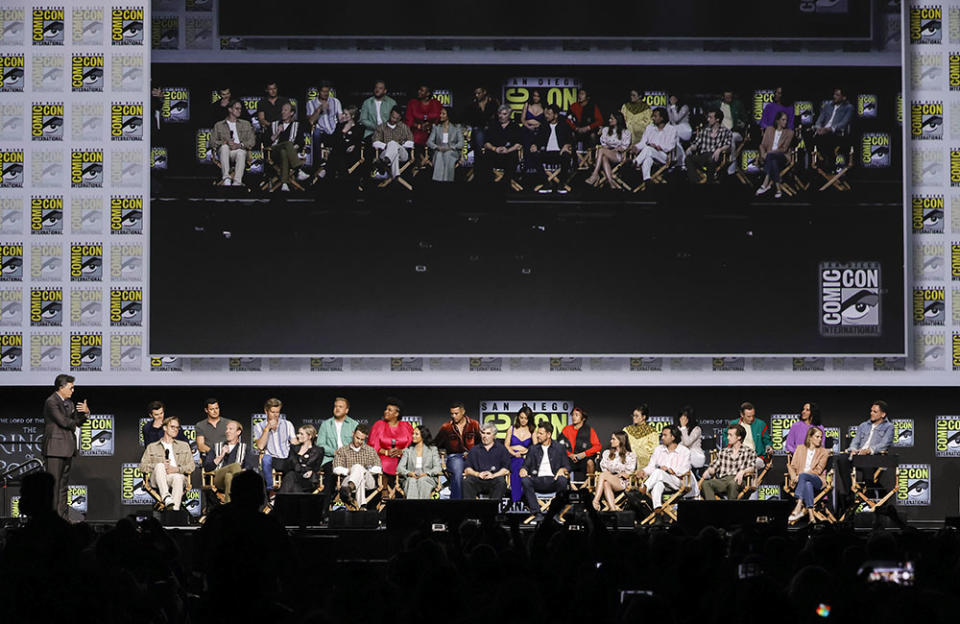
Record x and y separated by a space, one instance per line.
46 307
88 25
46 121
955 348
850 298
875 150
202 146
165 33
953 71
955 262
929 306
903 432
78 498
126 121
913 484
761 97
86 72
46 352
559 91
86 352
175 105
926 24
11 351
11 307
126 214
11 262
867 105
46 262
926 214
86 168
86 262
86 215
46 214
48 26
803 113
131 486
126 72
769 492
126 307
97 436
926 120
86 306
779 428
166 364
158 158
48 71
12 72
11 26
11 168
947 436
126 262
503 413
126 26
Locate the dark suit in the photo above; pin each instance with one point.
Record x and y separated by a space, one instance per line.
541 156
61 419
294 479
533 482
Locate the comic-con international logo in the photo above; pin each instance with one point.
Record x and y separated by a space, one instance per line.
11 262
779 428
955 262
48 71
46 307
126 214
86 262
11 307
86 72
927 214
86 168
768 492
646 364
46 262
48 26
175 105
202 147
926 24
803 113
875 149
46 121
86 215
126 263
566 364
78 498
88 26
12 122
166 363
126 307
761 98
11 168
953 71
245 364
559 91
158 158
132 491
126 26
126 71
46 352
502 413
750 161
11 26
86 352
850 298
903 432
485 364
97 435
955 344
46 215
86 307
126 121
930 349
947 436
653 99
165 33
913 484
926 120
12 72
929 305
11 351
867 105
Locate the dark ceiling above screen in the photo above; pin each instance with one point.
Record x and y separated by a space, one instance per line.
796 20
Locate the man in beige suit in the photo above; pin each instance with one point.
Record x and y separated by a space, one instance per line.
168 463
231 139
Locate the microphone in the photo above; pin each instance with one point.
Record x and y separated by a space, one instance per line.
166 454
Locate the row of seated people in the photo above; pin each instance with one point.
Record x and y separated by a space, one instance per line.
542 136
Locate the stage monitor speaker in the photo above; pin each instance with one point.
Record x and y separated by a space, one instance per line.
299 510
694 515
619 519
437 515
363 519
174 518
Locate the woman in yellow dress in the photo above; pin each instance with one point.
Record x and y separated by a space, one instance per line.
642 436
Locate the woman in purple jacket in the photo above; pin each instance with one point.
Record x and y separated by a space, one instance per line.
809 417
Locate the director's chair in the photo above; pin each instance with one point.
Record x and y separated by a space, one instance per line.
821 509
668 504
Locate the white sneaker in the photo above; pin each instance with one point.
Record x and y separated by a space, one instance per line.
284 188
796 516
226 181
762 190
302 176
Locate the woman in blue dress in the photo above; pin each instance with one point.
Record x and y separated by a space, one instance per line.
519 438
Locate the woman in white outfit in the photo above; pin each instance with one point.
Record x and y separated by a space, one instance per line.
679 114
616 465
615 140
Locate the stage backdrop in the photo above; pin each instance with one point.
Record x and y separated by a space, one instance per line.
106 484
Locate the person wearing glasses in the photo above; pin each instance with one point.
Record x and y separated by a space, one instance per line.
168 463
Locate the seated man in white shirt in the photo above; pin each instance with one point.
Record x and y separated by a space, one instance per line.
356 463
231 139
658 141
395 139
669 462
273 437
167 463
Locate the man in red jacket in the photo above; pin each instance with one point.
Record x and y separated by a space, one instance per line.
422 112
585 119
582 444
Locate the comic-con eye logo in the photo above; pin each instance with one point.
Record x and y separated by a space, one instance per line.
11 26
48 26
86 72
86 352
875 150
953 71
85 308
132 491
903 432
46 121
913 484
929 306
926 24
78 498
11 351
803 113
45 351
126 215
175 107
126 26
927 214
867 105
86 262
86 168
850 299
158 158
165 34
761 98
126 307
11 72
11 262
97 436
46 215
88 25
46 307
926 120
11 168
126 122
202 146
947 436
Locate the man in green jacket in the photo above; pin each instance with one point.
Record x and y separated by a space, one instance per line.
758 433
334 433
375 111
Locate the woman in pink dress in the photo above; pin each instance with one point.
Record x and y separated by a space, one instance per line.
389 437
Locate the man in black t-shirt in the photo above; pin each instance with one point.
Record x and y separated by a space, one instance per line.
268 109
501 146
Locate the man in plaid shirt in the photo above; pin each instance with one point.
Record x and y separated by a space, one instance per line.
732 464
708 147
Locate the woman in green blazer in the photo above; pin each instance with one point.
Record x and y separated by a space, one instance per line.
419 466
446 141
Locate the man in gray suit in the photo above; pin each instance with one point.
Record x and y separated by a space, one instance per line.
61 418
